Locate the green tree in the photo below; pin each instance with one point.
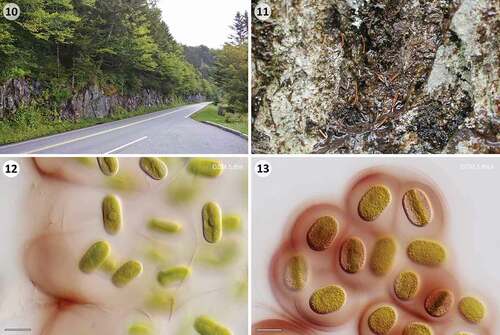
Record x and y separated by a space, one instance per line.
240 28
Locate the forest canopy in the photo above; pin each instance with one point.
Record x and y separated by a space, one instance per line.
123 46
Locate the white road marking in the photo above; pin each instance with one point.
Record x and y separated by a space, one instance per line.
102 132
126 145
196 111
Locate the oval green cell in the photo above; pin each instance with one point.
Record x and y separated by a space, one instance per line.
205 167
108 165
383 255
382 320
212 222
164 226
126 273
112 214
173 275
426 252
374 202
94 257
296 273
472 309
328 299
231 223
140 328
154 167
205 325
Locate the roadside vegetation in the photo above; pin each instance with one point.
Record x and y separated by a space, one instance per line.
122 47
236 121
31 123
228 69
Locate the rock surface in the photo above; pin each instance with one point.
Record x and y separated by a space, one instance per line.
368 76
91 102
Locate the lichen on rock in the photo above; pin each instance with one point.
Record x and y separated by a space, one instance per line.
386 76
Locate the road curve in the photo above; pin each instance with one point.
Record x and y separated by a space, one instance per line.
166 132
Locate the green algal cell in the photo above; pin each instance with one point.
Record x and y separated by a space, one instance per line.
112 214
220 254
212 222
164 226
94 257
108 165
122 182
231 223
205 325
161 300
173 275
157 254
86 161
110 265
154 167
205 167
126 273
140 328
183 190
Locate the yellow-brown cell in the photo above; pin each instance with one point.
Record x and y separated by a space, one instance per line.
472 309
426 252
321 234
439 302
328 299
382 320
383 255
406 285
212 222
352 255
296 273
417 328
94 257
112 214
108 165
154 167
417 207
126 273
374 202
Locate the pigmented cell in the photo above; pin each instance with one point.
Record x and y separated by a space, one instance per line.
140 328
417 207
123 181
321 234
426 252
94 257
472 309
406 285
154 167
328 299
382 320
173 275
224 253
108 165
296 273
126 273
352 255
374 202
383 255
231 223
205 325
161 300
164 226
417 328
439 302
112 214
205 167
110 265
212 222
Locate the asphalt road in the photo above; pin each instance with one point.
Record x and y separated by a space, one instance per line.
167 132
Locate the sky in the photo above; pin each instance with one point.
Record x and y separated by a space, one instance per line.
196 22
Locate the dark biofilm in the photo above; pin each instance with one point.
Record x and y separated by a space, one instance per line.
439 302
